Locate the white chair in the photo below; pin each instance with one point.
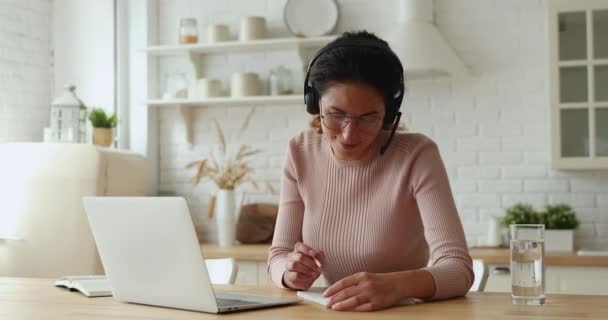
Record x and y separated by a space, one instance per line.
222 271
480 270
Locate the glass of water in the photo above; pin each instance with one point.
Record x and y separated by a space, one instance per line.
527 263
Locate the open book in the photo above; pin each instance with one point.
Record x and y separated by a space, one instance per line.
90 286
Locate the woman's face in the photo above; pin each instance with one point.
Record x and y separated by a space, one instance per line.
358 106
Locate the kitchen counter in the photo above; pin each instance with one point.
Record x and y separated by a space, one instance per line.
246 252
501 256
259 252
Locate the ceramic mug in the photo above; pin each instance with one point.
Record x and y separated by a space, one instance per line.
208 88
244 84
252 28
217 33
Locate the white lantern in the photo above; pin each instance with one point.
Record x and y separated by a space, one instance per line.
68 117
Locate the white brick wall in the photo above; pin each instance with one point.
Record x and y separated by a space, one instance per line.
24 69
492 128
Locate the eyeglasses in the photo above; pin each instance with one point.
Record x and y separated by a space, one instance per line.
339 120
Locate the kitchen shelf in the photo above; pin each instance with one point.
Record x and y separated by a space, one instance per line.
195 53
186 105
241 46
230 101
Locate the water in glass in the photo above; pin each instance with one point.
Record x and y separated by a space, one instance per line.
528 272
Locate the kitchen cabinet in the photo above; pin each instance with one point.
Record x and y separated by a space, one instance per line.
578 83
559 279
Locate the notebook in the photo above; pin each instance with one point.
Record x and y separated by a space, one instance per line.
315 294
90 286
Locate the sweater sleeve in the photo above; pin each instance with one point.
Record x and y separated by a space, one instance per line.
288 228
449 261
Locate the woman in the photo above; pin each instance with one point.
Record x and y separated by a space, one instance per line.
379 223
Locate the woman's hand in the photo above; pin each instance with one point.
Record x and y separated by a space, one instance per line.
364 291
303 267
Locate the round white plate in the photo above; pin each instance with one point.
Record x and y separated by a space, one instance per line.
311 18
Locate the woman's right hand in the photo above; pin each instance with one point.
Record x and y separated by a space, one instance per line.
303 267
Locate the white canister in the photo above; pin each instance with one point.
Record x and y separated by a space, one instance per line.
244 84
494 232
208 88
217 33
252 28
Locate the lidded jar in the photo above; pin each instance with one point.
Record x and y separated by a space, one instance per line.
188 31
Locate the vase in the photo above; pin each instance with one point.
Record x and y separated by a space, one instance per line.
494 232
225 217
102 137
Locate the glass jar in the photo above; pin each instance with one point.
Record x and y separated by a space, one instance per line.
188 31
176 86
280 81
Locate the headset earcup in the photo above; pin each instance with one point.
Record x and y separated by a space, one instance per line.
312 104
389 116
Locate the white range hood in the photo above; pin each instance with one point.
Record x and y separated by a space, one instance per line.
422 49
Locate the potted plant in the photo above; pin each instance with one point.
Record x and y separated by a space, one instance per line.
560 221
520 213
102 126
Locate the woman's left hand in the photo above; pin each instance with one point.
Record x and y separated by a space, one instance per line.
364 291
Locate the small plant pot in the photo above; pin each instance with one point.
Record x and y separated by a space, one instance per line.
102 137
559 240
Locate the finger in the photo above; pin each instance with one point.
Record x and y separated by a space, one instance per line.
343 295
322 258
368 306
319 258
341 285
308 250
302 247
300 268
298 280
350 303
304 260
297 277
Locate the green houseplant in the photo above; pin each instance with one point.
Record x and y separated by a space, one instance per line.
560 221
520 213
102 126
560 217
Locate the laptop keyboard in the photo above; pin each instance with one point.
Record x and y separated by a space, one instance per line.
221 302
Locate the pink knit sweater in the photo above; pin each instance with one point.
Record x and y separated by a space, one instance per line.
386 213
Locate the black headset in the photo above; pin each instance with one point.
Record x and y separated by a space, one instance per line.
311 95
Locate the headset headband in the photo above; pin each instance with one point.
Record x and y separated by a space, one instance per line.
396 98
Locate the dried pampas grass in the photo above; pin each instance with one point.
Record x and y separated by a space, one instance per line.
233 168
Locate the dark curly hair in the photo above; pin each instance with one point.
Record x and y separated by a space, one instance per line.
369 66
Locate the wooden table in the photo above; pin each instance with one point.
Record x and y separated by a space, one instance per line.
259 252
39 299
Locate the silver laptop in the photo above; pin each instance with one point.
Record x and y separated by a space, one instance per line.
151 255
